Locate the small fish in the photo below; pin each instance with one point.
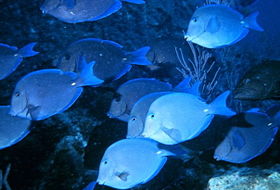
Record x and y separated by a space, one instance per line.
11 57
178 117
75 11
243 144
261 82
214 26
130 162
130 92
112 61
140 109
12 129
47 92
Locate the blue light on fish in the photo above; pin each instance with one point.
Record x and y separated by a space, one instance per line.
111 60
214 26
124 163
44 93
140 109
130 92
12 129
242 144
177 117
75 11
11 57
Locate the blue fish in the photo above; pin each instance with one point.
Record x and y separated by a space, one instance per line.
242 144
130 162
177 117
112 61
47 92
130 92
12 129
75 11
11 57
214 26
140 109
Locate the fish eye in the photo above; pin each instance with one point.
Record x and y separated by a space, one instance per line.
194 19
105 162
17 94
117 97
133 119
152 116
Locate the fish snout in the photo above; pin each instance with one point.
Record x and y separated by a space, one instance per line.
216 157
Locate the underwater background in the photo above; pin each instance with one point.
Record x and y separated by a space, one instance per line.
63 152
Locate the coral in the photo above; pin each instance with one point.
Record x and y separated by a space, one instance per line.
199 68
247 179
4 178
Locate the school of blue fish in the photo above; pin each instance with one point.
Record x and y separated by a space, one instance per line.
159 116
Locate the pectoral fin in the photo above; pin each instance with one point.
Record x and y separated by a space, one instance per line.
123 175
34 112
238 140
174 134
213 25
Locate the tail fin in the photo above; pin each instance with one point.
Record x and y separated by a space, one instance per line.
219 105
178 151
138 57
251 22
135 1
27 51
90 186
86 76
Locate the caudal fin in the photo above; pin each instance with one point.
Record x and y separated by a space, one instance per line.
251 22
90 186
138 57
27 51
178 151
86 75
135 1
219 105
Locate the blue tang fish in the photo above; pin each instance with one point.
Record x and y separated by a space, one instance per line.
130 162
75 11
112 61
11 57
178 117
214 26
243 144
12 129
141 107
47 92
138 114
130 92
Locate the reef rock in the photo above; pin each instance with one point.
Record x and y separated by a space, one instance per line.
247 179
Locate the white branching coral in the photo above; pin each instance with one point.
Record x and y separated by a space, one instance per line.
220 2
198 68
4 178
